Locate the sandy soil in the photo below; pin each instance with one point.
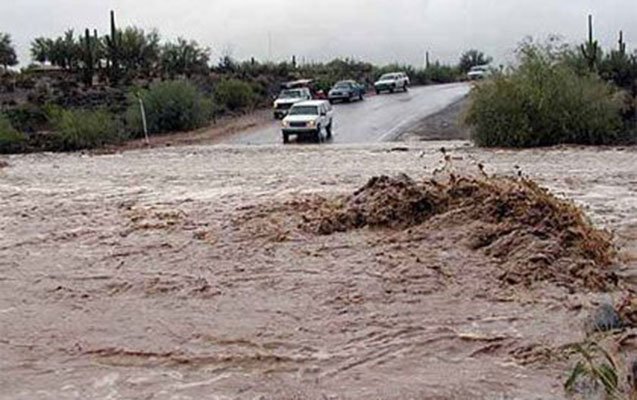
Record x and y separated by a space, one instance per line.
223 128
444 125
170 274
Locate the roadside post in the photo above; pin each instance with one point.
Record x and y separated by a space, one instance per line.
143 114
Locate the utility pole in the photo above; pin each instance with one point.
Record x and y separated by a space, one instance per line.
270 45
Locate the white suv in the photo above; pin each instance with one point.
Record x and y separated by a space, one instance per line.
478 72
312 119
392 82
288 98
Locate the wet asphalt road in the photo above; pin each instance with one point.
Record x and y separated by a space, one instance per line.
376 119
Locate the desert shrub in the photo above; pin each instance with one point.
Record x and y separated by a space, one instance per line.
27 118
84 129
544 103
233 94
11 141
170 106
440 73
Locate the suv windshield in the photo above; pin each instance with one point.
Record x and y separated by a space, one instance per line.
388 77
343 85
479 69
290 94
304 110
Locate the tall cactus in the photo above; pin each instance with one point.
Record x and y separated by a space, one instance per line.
88 58
591 50
113 43
98 52
622 44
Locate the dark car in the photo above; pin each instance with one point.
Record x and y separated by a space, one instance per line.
346 91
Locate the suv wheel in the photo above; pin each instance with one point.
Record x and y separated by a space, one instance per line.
319 135
328 130
286 138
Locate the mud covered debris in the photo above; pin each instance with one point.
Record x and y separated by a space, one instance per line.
627 309
536 235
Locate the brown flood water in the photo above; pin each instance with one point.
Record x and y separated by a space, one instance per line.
159 275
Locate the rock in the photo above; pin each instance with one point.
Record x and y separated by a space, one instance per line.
605 319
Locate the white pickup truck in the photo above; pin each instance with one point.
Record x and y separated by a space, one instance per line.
288 98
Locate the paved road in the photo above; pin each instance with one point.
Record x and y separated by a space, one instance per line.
376 119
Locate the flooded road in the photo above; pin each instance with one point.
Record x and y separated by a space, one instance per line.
163 274
376 119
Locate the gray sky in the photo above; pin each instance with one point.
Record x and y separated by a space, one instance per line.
381 31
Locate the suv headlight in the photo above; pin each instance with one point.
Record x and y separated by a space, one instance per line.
311 124
286 124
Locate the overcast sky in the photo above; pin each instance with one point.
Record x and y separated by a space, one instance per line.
381 31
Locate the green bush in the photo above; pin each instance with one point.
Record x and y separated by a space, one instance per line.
544 103
170 106
11 141
27 118
234 95
84 129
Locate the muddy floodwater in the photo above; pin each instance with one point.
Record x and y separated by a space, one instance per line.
161 274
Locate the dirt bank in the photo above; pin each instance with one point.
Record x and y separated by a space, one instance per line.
182 273
223 128
444 125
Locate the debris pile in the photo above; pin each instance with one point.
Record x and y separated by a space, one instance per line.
536 235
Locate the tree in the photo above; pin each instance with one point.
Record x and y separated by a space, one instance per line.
41 49
8 57
139 52
64 52
184 58
473 58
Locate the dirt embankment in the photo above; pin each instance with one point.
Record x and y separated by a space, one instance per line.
222 128
444 125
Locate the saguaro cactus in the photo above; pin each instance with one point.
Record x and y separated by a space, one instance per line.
591 50
88 58
98 52
113 45
622 44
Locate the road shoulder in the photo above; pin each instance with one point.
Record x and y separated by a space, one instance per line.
443 125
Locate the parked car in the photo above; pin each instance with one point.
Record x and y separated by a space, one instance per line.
287 98
478 72
392 82
313 119
346 91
